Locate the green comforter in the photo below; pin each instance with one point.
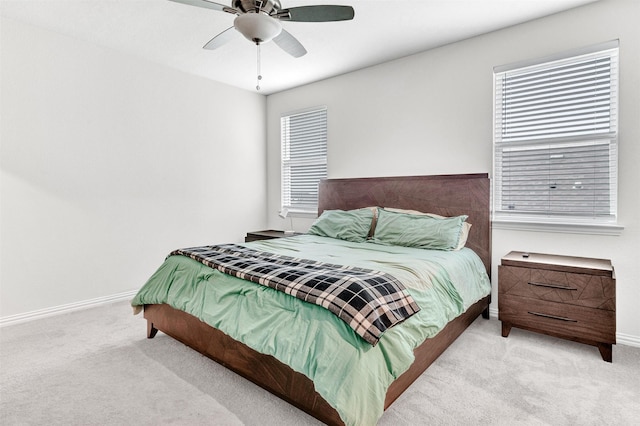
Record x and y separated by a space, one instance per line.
349 373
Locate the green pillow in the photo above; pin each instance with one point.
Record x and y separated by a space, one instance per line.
420 231
349 225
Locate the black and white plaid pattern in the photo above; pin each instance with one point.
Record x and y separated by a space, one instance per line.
369 301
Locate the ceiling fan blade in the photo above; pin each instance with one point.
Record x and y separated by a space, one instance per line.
318 13
220 39
290 44
208 5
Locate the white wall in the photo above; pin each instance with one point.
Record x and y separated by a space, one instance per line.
431 113
109 162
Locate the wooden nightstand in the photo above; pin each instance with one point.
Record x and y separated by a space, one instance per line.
568 297
266 235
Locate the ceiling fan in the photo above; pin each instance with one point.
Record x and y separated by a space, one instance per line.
259 21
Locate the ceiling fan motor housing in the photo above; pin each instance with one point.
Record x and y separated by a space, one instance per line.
265 6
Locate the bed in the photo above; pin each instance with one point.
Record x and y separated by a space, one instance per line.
444 195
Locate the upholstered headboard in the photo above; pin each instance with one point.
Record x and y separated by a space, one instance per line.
446 195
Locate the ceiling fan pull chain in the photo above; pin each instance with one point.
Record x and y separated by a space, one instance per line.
259 75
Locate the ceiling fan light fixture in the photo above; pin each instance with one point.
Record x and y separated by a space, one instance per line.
257 27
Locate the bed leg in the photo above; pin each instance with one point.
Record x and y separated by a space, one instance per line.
151 330
485 313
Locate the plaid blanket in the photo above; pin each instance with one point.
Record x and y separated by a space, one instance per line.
370 302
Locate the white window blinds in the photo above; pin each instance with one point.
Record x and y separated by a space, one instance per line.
555 139
304 158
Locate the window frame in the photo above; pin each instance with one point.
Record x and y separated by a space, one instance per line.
554 221
315 158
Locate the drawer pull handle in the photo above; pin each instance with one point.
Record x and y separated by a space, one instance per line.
558 286
538 314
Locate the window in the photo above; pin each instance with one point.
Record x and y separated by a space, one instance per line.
304 158
555 139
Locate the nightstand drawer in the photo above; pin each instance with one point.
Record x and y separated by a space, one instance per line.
592 291
558 319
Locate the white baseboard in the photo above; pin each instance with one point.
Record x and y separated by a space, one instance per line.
493 312
627 339
57 310
621 338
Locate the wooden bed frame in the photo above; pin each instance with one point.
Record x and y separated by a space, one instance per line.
446 195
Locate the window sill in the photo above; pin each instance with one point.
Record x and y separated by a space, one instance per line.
566 228
308 215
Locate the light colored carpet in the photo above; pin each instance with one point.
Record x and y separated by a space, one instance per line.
95 367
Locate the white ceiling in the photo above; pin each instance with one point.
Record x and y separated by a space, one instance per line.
173 34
